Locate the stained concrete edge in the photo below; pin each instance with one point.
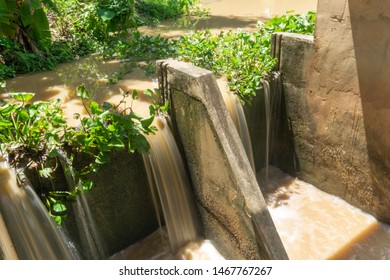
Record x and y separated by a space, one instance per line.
211 143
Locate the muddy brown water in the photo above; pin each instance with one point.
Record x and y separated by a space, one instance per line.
231 14
61 82
315 225
312 224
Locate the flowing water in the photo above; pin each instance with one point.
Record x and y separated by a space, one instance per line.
165 165
92 246
315 225
27 231
179 238
311 223
237 114
267 109
231 14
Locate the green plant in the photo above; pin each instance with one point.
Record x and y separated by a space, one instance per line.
293 23
26 23
40 131
109 127
144 47
38 34
154 11
243 57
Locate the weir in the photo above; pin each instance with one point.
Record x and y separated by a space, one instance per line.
235 216
31 230
232 209
237 114
167 173
91 243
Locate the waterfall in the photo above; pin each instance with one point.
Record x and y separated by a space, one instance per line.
236 111
88 233
267 106
166 172
26 223
7 249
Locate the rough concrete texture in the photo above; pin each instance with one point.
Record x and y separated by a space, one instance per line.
120 204
337 96
229 199
281 147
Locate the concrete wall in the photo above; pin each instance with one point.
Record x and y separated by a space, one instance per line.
338 98
120 204
232 208
281 146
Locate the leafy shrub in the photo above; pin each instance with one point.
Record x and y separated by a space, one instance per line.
26 23
154 11
243 57
40 131
77 28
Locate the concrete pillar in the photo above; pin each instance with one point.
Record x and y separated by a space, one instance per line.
233 211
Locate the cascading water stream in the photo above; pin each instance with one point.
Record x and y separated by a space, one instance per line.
313 224
167 173
33 233
236 111
267 105
89 235
7 250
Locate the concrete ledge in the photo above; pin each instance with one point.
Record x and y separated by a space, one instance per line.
233 211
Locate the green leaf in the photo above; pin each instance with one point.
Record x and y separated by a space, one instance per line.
4 123
50 5
86 185
146 122
82 92
134 115
46 172
24 130
59 121
57 219
81 138
23 96
135 94
142 144
59 207
152 110
53 153
26 14
107 106
137 35
9 44
23 114
104 114
116 143
94 106
148 92
34 5
105 15
102 158
37 23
